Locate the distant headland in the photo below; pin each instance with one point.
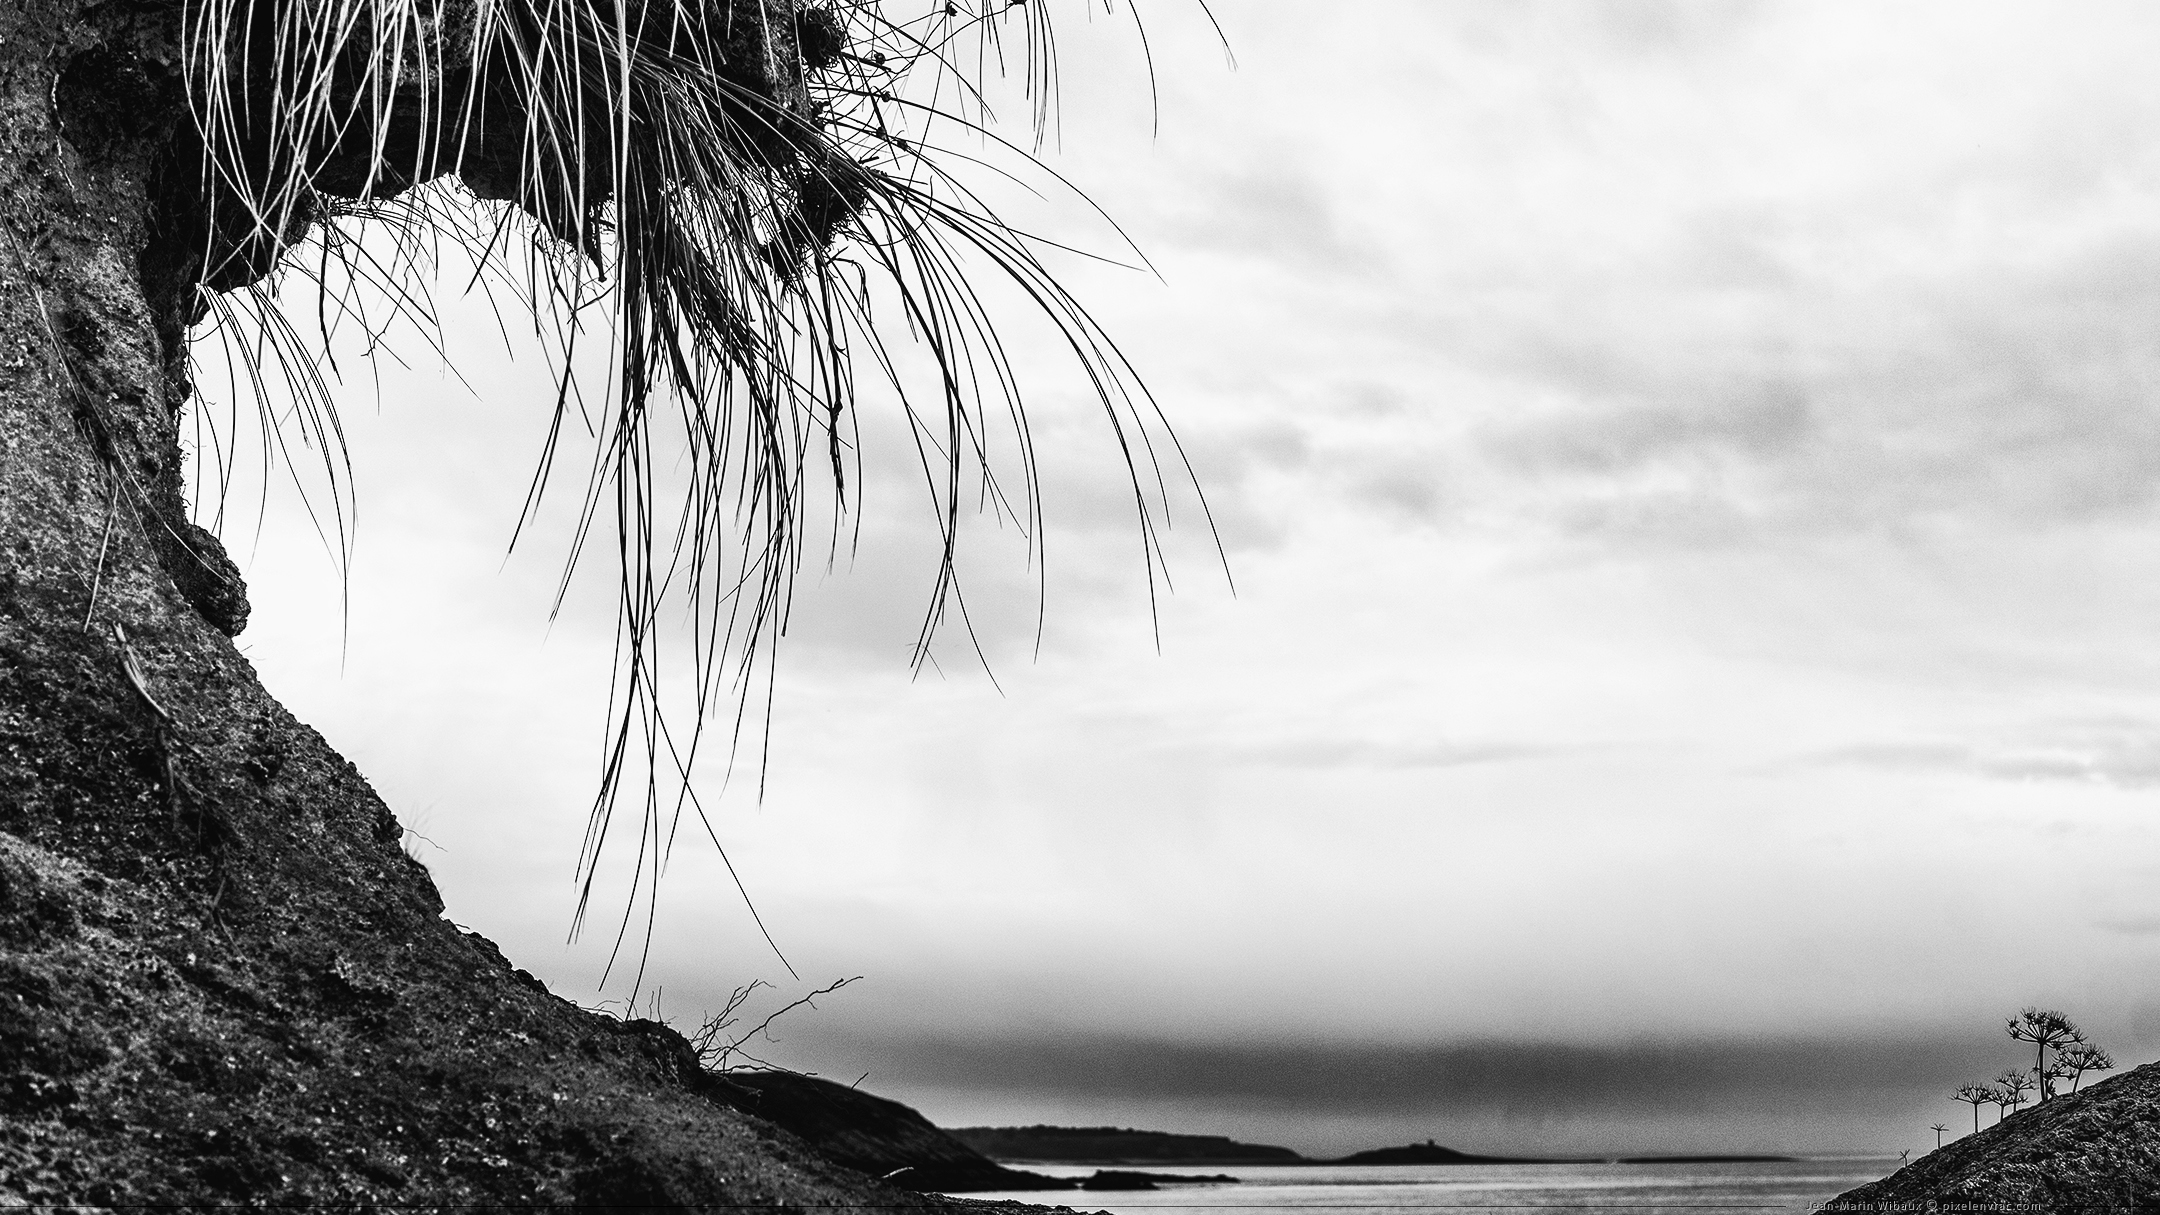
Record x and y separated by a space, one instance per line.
1123 1145
1429 1152
888 1140
1115 1145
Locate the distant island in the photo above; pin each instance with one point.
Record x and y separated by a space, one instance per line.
891 1141
1123 1145
1115 1145
1121 1179
1429 1152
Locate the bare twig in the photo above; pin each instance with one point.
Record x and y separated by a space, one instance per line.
718 1052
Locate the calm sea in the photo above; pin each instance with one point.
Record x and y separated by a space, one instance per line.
1514 1188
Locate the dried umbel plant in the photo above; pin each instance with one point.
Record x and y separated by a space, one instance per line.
747 201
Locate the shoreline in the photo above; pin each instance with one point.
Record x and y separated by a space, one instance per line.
1317 1163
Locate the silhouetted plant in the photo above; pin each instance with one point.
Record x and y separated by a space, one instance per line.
2010 1089
1939 1128
1974 1095
2047 1030
719 1050
2000 1098
2055 1071
2081 1057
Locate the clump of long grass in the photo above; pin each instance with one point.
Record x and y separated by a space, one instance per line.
748 201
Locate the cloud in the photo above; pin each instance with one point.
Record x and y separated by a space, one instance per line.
1366 753
1660 27
1404 486
1999 400
2119 753
1272 209
1226 455
1761 421
1496 1076
1508 1095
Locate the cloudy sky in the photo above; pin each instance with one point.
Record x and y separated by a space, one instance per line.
1689 474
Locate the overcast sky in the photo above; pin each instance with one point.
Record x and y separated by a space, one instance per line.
1689 473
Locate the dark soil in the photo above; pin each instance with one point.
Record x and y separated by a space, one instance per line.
2095 1151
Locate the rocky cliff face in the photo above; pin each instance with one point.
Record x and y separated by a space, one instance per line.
220 979
2097 1150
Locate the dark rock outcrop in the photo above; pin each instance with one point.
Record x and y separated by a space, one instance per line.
873 1135
2096 1151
